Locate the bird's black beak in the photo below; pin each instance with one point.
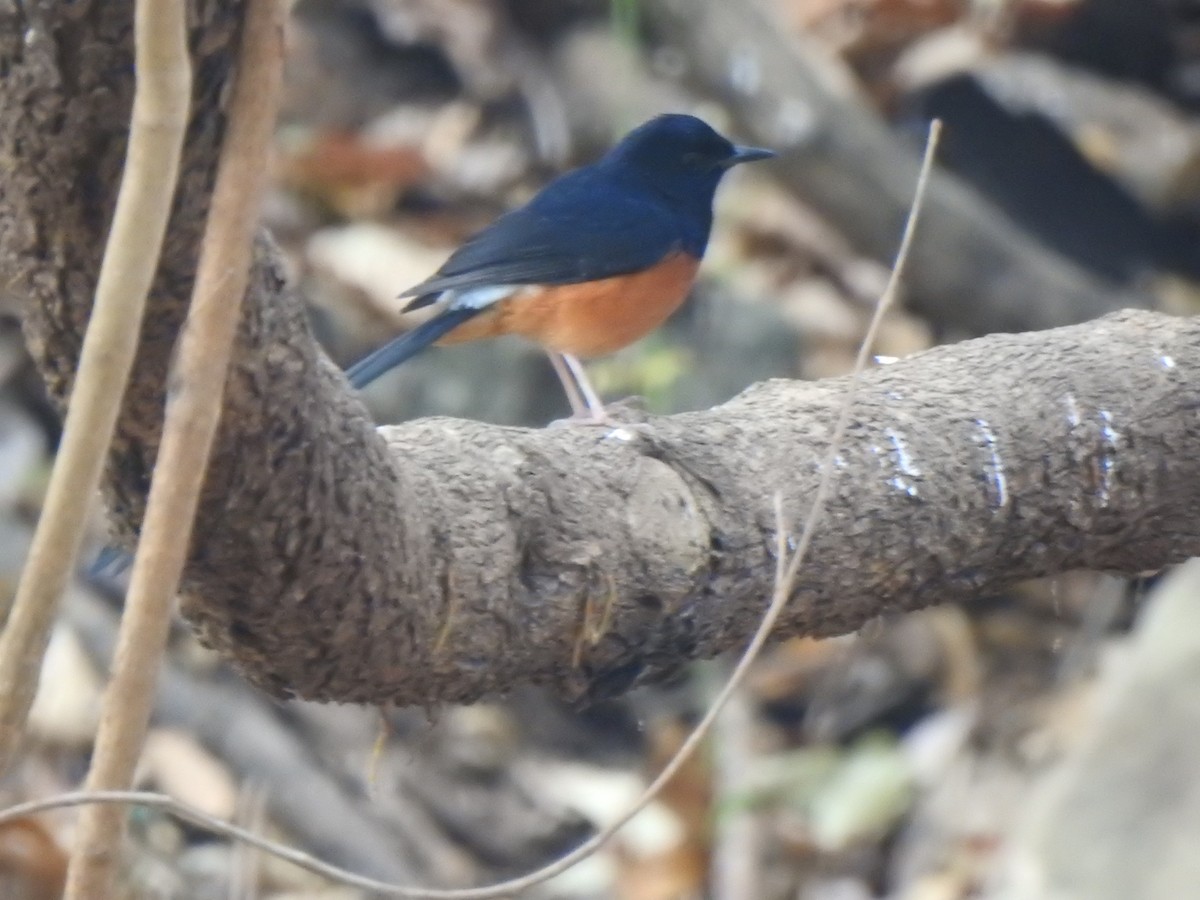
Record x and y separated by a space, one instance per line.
746 154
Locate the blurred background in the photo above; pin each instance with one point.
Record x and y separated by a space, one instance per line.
940 755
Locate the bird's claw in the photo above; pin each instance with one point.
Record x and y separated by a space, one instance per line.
587 419
620 431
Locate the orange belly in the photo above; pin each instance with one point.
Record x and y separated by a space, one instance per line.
591 318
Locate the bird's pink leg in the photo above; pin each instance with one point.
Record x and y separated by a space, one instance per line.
579 408
595 412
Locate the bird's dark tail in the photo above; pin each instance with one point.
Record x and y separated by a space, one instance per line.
110 562
408 344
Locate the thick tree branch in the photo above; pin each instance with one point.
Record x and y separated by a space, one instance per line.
443 559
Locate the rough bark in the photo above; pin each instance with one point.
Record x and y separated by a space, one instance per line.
444 560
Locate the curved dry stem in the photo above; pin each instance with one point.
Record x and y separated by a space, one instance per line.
785 583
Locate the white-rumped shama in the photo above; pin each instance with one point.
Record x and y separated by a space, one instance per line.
598 258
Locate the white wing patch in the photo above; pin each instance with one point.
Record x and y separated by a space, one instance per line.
478 297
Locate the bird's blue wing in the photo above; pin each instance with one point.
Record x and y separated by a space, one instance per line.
581 227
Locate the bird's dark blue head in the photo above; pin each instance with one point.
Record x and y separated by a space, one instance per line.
680 158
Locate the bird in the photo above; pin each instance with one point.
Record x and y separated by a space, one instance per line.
598 258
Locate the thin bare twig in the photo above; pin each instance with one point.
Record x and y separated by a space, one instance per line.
783 587
200 819
156 132
886 299
193 411
785 582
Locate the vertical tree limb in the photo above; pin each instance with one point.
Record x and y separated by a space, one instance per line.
159 121
193 412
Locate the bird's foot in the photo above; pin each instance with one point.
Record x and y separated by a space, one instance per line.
618 430
597 419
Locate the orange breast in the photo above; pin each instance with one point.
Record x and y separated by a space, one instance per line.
592 318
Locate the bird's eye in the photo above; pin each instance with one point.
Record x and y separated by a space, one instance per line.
693 159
